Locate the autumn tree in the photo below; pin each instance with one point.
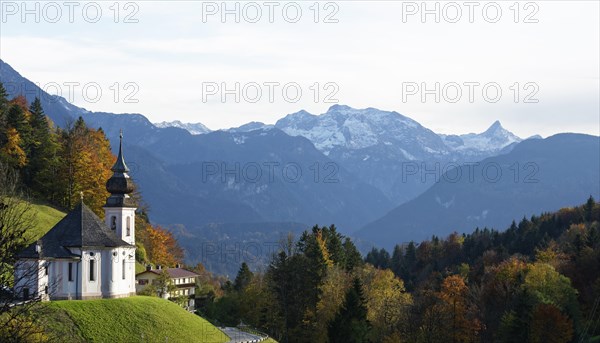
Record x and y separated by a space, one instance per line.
462 324
86 160
162 247
547 286
11 151
333 292
549 325
387 302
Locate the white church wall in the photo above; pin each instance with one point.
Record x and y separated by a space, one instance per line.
121 222
91 276
28 278
62 286
123 272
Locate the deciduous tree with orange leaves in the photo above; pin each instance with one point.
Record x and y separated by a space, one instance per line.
462 324
86 162
550 325
161 246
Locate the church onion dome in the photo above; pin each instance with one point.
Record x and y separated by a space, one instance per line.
120 184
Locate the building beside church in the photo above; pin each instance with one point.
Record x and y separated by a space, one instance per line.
82 257
182 280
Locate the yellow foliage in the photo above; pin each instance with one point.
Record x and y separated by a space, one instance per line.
322 243
387 300
22 329
333 292
12 149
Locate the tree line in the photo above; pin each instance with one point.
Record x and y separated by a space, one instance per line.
537 281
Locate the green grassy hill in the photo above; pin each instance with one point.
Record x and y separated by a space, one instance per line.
45 218
135 319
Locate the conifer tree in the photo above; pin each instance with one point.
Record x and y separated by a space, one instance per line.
43 164
350 325
3 106
3 98
352 256
243 278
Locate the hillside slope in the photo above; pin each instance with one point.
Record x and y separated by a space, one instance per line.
45 217
135 319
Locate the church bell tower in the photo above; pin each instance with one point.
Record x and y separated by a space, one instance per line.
119 209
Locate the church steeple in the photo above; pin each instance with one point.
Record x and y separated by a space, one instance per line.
120 166
119 185
119 210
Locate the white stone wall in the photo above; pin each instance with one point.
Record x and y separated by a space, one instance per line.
30 275
60 286
121 215
109 281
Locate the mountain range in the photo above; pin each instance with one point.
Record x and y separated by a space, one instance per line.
538 175
192 128
363 169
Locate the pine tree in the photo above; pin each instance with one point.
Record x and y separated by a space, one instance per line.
3 98
350 325
352 256
588 208
243 278
3 106
41 171
333 240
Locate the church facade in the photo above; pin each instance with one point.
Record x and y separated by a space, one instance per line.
83 257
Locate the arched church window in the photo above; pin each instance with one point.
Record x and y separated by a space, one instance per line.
113 223
92 270
128 232
123 270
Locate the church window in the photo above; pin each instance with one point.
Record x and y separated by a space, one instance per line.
113 223
92 270
128 232
70 271
123 270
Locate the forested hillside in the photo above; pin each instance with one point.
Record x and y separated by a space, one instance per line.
538 281
57 166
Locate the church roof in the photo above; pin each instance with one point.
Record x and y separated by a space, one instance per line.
173 272
79 228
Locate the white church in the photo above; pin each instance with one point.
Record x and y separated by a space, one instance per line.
82 257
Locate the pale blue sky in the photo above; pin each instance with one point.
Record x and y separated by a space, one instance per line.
368 54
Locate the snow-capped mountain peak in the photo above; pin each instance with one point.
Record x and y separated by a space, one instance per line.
346 128
496 126
193 128
251 126
492 140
